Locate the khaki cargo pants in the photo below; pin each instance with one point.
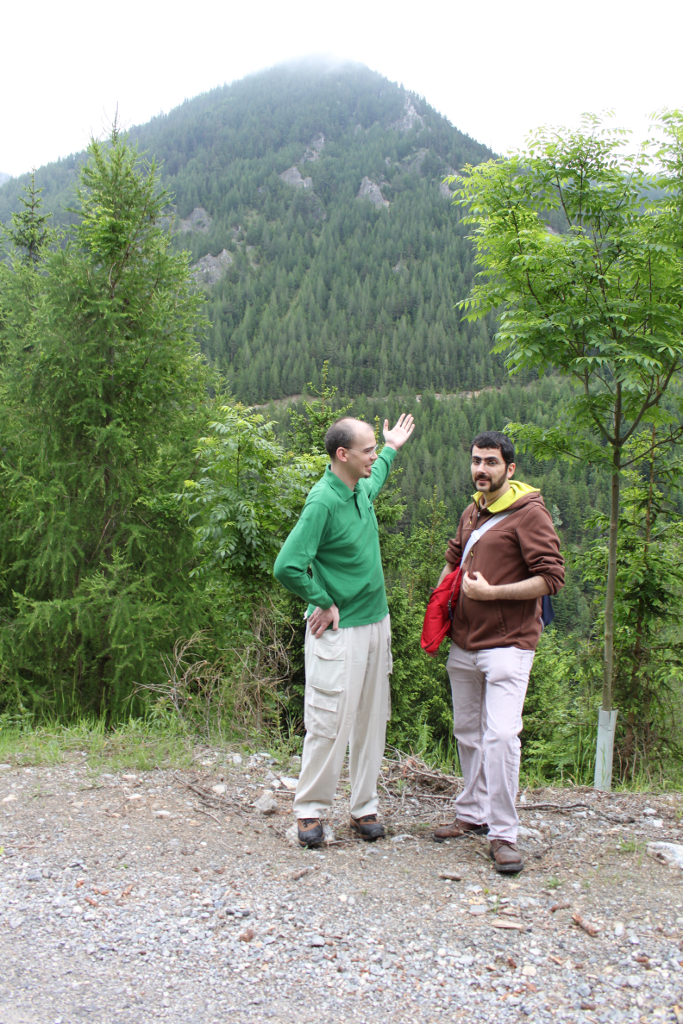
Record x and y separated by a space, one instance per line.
347 703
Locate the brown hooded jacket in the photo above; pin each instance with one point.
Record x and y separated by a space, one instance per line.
522 545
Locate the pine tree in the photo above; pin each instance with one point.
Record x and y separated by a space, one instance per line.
102 389
29 232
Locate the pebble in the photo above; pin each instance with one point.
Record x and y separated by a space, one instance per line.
266 804
668 853
219 789
162 814
177 923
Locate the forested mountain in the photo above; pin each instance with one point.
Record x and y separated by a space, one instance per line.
320 190
4 178
311 201
139 512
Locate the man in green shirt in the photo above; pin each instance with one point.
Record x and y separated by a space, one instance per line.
348 634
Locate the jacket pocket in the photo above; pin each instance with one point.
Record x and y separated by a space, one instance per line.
325 676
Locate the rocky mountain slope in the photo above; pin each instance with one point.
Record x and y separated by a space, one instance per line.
319 192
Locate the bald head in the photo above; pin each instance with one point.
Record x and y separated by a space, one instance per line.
343 434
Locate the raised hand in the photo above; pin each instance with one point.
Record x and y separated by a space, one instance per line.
398 435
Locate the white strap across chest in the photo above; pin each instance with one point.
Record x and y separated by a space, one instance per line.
480 531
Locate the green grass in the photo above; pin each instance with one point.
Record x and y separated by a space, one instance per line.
132 745
136 744
146 744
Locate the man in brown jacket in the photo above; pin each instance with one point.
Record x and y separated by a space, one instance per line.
512 562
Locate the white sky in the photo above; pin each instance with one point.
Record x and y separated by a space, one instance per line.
495 69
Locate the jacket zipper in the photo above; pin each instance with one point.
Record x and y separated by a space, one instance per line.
467 570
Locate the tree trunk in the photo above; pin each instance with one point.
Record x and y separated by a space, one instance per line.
607 719
629 748
608 664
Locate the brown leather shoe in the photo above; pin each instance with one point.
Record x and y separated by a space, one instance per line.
458 828
367 827
311 832
506 858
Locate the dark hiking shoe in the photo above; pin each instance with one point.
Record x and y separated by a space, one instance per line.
457 829
368 827
310 831
506 858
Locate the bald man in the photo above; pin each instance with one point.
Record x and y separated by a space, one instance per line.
348 632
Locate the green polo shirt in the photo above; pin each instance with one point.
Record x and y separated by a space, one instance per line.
336 536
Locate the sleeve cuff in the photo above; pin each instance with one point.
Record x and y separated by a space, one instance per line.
554 584
390 453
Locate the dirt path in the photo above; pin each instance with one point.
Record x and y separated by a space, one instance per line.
129 898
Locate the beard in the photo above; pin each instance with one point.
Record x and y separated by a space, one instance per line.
489 481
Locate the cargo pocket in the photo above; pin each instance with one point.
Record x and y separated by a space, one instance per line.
325 674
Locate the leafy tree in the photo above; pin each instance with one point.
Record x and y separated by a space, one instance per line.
103 388
247 495
647 609
308 427
601 302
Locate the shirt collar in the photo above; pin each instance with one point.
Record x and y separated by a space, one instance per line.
333 481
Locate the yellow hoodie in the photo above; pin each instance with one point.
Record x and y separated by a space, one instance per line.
517 489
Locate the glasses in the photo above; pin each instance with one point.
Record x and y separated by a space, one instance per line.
364 451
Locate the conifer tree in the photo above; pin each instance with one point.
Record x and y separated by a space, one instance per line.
29 231
102 387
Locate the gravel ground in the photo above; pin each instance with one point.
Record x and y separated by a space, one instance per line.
130 897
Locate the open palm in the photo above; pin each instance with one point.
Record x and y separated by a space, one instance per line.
398 435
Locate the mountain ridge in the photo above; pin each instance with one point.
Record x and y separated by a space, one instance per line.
314 197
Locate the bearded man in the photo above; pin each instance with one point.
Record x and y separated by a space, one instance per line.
513 563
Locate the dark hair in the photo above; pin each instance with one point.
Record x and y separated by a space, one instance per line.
341 434
494 439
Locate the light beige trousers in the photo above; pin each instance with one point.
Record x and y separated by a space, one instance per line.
488 689
347 703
